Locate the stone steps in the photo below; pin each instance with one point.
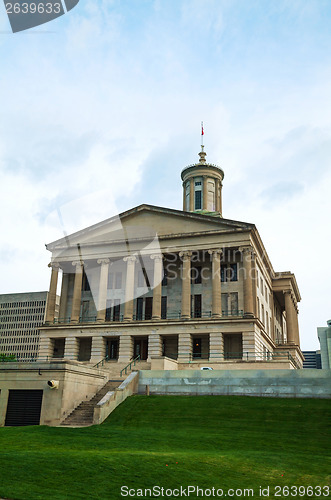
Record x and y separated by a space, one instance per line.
82 415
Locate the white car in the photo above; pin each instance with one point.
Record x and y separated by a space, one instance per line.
205 368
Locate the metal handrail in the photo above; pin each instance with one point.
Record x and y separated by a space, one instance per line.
102 362
175 315
129 365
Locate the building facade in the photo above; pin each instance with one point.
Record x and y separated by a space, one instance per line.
21 315
155 283
324 337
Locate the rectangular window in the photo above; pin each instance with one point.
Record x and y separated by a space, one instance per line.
165 277
85 283
117 308
164 307
233 272
141 280
197 306
148 307
108 310
225 309
110 283
196 275
234 303
139 308
85 310
118 280
223 273
198 200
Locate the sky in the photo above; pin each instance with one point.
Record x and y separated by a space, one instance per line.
100 110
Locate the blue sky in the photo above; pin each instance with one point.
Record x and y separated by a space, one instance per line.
123 85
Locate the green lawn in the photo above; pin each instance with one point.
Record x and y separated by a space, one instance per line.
172 441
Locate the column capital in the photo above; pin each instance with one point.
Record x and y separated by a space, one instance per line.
78 263
246 249
103 261
54 265
157 257
215 252
186 254
130 259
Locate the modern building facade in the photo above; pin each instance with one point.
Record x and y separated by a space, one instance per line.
324 337
21 315
159 283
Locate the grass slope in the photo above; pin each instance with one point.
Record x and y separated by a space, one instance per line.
221 442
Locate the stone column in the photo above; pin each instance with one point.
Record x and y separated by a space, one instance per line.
247 278
272 307
103 282
254 280
129 287
71 348
98 349
76 300
46 348
157 285
184 348
217 196
184 196
216 283
125 349
290 320
63 298
154 345
205 193
192 194
186 284
216 347
220 197
296 322
51 299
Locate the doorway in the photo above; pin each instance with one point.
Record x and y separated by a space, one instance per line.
112 349
140 347
24 407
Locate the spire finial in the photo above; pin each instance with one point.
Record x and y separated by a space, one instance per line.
202 154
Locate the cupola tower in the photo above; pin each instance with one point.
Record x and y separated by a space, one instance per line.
202 186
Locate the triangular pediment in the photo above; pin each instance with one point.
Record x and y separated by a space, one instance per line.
146 222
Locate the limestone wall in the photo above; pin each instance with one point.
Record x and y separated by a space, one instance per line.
273 383
76 383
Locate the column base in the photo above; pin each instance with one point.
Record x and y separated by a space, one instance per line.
156 317
185 317
248 315
216 316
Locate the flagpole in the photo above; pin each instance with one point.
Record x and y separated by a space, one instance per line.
202 134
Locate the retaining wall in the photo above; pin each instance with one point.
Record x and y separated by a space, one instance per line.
307 383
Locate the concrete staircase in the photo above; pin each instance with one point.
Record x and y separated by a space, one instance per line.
82 415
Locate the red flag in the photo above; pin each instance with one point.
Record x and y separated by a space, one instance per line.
202 133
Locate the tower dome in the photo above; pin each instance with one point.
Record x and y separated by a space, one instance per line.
202 187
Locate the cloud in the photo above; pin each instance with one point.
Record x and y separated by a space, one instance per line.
111 102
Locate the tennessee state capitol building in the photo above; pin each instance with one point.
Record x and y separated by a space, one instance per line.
155 283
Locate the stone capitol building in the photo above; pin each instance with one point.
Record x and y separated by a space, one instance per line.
160 284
